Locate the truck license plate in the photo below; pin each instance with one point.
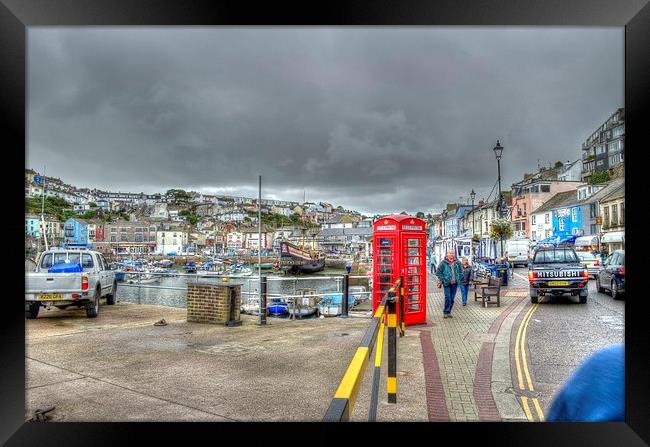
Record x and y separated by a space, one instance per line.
558 283
50 296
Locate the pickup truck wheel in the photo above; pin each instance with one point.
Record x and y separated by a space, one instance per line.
110 299
583 299
32 312
92 307
615 293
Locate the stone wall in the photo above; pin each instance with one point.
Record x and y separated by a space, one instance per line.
210 303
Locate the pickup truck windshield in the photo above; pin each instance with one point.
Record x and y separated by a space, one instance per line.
555 256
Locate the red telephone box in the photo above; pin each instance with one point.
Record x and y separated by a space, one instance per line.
399 248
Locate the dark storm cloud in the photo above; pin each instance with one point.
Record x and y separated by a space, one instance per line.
375 119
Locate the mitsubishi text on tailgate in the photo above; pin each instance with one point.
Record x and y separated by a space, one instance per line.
557 271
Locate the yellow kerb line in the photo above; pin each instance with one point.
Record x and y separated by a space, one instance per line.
523 348
540 413
517 364
529 415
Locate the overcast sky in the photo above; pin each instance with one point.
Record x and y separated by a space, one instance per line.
375 119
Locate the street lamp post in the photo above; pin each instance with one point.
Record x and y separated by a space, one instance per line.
472 196
498 150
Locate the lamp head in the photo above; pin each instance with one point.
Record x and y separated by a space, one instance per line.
498 149
472 195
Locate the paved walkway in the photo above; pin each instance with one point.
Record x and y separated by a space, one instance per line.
460 385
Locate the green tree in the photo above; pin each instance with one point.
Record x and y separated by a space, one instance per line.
599 177
92 204
419 214
177 196
559 164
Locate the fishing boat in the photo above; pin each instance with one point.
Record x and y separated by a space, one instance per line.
251 306
263 266
294 259
190 267
303 305
277 307
330 305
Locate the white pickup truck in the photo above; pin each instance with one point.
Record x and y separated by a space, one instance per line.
82 288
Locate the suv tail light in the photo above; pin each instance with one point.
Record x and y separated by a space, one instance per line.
621 271
585 274
596 263
84 283
531 276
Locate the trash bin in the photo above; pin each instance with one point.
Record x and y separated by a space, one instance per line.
503 273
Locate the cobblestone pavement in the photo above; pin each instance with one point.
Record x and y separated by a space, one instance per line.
458 341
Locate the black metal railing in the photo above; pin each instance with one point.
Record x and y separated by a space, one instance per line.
385 316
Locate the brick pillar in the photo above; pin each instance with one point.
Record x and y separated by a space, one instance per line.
210 303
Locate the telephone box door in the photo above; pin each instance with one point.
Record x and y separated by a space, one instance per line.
415 277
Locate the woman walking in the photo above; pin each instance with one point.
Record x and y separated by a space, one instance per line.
450 274
467 277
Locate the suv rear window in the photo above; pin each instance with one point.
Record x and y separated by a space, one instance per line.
555 256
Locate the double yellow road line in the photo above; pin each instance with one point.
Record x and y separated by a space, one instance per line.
522 369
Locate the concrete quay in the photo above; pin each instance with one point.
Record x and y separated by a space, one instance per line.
120 367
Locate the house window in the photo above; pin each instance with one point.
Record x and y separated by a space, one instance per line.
561 224
574 214
524 209
592 210
606 216
532 220
622 220
113 239
545 188
547 218
592 229
614 214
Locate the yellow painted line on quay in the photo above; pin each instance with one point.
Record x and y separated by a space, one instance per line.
520 349
380 344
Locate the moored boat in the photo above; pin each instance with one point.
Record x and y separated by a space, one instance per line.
294 259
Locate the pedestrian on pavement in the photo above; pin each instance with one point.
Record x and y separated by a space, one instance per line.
450 274
467 277
595 392
433 262
348 265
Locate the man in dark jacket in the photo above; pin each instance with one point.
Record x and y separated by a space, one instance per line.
450 273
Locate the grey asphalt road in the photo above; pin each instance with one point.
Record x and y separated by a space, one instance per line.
562 333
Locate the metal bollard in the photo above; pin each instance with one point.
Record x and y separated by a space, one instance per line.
231 314
344 299
263 300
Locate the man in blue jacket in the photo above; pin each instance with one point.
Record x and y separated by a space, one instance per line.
450 273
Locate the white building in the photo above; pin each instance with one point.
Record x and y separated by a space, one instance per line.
173 240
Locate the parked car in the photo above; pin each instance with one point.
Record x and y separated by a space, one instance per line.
611 276
590 262
69 277
518 251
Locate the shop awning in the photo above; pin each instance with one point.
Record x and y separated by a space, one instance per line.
613 236
585 241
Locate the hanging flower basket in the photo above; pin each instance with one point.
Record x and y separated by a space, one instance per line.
500 229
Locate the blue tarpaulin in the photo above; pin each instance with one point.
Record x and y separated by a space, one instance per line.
558 240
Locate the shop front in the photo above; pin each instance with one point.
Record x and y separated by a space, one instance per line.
614 240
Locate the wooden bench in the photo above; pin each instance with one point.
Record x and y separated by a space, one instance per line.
481 277
492 290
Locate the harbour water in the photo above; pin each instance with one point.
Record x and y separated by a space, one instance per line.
328 281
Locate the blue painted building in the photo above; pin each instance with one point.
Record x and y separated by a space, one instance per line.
75 232
576 216
567 221
33 226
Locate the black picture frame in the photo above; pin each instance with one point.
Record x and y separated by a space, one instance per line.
16 15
